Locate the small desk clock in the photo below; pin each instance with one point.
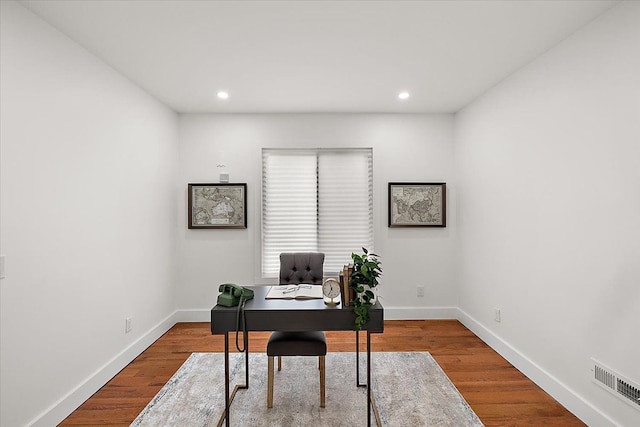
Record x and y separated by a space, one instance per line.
331 289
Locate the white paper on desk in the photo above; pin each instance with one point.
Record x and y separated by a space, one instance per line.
302 291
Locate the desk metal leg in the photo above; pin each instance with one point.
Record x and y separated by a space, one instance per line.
228 399
358 360
368 379
371 402
246 359
225 414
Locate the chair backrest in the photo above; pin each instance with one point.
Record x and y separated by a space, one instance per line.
301 267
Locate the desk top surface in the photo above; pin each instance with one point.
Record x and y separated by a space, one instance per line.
290 314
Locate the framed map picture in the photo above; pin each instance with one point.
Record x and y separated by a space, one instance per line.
218 205
417 204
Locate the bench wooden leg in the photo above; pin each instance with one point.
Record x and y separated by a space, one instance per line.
270 378
270 383
322 370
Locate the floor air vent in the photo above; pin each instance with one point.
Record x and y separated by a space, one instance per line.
616 384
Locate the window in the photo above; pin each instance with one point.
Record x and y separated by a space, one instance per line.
316 200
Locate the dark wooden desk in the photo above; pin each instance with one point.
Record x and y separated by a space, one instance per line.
291 315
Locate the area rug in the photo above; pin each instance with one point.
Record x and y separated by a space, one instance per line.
410 389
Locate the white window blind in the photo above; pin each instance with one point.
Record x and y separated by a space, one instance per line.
316 200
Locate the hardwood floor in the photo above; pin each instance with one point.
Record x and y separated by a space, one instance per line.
498 393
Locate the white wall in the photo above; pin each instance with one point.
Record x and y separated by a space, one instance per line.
405 148
545 175
88 219
548 212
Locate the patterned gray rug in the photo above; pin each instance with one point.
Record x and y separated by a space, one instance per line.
409 388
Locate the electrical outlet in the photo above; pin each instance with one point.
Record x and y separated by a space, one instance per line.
128 325
1 266
420 291
496 315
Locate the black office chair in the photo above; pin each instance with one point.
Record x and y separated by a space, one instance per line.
297 268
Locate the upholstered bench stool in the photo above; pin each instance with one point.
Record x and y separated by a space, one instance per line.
280 344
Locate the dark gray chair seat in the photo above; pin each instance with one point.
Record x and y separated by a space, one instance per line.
311 343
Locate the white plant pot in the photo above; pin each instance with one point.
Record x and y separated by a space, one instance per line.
374 290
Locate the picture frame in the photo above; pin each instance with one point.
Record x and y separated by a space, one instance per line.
213 206
417 204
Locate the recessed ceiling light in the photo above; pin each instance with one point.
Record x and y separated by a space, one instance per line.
403 95
223 95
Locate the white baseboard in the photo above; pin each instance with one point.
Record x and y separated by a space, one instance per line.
559 391
420 313
193 316
72 400
390 313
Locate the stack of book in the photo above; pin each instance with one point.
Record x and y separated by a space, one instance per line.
347 295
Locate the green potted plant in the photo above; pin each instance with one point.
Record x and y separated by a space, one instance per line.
366 270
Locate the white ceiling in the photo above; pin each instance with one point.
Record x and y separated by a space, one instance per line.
317 56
